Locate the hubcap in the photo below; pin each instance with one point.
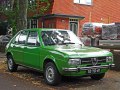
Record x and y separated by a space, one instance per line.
50 74
10 63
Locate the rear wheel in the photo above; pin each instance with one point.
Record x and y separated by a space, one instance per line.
97 76
51 74
12 67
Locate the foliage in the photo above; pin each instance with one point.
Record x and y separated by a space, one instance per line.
38 7
10 8
6 8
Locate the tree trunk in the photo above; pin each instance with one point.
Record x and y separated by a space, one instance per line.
12 4
22 15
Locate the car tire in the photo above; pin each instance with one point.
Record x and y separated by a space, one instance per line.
97 76
51 74
12 66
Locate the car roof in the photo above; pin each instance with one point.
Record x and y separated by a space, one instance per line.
44 29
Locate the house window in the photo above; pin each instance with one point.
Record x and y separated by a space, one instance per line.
85 2
34 23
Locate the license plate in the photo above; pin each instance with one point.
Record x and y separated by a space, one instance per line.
93 71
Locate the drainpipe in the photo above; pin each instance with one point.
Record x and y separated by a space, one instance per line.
90 17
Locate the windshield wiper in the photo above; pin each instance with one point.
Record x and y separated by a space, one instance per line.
72 43
50 44
64 43
69 43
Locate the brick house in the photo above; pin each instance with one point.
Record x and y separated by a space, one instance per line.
71 14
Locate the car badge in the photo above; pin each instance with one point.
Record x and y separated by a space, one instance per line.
94 61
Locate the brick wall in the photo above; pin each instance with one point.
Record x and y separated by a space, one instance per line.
106 11
50 23
62 23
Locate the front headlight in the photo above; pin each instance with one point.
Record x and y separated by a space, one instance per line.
74 61
109 59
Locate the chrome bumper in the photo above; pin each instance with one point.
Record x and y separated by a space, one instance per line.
87 68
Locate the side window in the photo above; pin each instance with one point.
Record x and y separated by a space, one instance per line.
16 39
32 38
22 37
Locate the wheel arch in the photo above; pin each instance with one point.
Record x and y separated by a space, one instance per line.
50 59
8 53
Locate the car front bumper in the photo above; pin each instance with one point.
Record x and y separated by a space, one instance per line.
88 68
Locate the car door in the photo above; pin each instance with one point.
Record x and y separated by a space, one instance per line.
18 46
32 50
15 48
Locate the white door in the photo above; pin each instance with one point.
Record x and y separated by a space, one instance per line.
74 27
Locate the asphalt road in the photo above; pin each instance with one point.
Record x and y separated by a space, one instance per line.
9 82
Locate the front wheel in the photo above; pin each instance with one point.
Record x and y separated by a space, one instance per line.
12 67
97 76
51 74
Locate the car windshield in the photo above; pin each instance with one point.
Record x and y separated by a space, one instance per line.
60 37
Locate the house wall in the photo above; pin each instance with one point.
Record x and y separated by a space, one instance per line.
62 23
40 24
106 11
100 9
50 23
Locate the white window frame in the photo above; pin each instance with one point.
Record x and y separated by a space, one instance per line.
84 2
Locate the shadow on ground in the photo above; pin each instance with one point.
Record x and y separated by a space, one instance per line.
67 82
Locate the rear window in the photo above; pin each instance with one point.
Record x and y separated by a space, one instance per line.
22 37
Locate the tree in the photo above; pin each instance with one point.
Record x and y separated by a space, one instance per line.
16 11
22 15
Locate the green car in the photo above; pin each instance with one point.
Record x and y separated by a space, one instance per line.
56 53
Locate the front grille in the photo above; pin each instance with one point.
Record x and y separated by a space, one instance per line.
89 60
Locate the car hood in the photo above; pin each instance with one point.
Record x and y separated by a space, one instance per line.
74 51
